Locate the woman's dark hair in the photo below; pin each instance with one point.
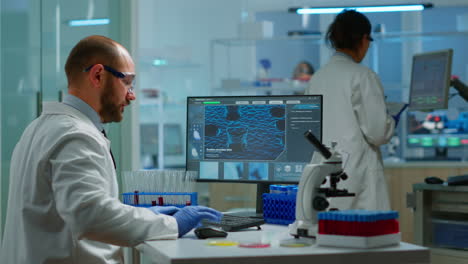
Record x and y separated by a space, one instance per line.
347 30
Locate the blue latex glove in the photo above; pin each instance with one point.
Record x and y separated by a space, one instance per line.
397 116
189 217
397 119
167 210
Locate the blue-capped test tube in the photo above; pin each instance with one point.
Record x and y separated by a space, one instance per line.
274 188
283 189
290 190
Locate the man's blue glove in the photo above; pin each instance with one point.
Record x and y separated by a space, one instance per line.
189 217
167 210
397 116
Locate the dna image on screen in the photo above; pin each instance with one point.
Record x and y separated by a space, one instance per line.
254 132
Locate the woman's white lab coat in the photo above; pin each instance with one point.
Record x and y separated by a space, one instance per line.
63 204
355 116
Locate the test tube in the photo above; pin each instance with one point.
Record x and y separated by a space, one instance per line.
283 190
136 199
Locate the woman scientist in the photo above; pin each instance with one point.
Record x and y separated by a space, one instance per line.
354 112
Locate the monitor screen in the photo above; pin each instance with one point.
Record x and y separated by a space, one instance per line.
437 129
430 80
251 138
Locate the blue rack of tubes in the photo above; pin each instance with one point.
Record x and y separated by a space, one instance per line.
148 199
279 206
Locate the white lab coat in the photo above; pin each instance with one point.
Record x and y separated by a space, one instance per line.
63 204
355 116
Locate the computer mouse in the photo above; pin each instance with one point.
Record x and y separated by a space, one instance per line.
433 180
208 231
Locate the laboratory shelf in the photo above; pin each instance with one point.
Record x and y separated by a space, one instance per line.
396 36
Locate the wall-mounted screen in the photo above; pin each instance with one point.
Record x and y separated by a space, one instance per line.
430 80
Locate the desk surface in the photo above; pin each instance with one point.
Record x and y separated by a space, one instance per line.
439 187
192 250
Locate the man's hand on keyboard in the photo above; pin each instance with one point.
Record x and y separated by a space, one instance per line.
189 217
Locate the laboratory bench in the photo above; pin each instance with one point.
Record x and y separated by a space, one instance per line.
441 221
190 250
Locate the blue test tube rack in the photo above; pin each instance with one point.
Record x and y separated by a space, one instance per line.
148 199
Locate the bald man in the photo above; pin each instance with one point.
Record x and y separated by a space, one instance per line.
63 204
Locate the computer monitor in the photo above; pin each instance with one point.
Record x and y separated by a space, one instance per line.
437 130
430 80
251 139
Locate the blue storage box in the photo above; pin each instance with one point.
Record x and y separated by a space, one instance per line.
450 234
279 208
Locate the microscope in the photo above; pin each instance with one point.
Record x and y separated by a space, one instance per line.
311 197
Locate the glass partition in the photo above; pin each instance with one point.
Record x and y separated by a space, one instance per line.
36 37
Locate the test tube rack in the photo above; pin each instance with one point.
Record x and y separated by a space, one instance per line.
148 199
279 209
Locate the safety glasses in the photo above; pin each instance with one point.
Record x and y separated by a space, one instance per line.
128 78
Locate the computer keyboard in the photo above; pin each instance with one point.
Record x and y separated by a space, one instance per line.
457 180
234 223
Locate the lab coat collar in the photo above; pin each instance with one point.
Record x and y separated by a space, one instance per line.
339 53
64 109
84 108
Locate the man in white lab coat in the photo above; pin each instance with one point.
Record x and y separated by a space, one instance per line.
354 112
63 204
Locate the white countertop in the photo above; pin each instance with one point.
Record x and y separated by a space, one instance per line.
189 249
426 164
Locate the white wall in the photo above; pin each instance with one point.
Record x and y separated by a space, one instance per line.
180 32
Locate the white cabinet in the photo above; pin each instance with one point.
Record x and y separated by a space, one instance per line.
440 221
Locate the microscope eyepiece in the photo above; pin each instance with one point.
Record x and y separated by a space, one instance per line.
317 144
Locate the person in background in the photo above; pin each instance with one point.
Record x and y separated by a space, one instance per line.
303 71
63 204
354 112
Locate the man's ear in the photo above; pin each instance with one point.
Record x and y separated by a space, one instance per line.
95 75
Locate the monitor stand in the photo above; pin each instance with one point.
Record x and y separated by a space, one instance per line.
261 189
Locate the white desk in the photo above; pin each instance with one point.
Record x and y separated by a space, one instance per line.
190 250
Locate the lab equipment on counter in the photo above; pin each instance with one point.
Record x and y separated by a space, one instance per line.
232 223
159 188
311 198
148 199
279 209
358 228
457 180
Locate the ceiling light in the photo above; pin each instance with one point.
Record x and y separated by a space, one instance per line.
362 9
88 22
